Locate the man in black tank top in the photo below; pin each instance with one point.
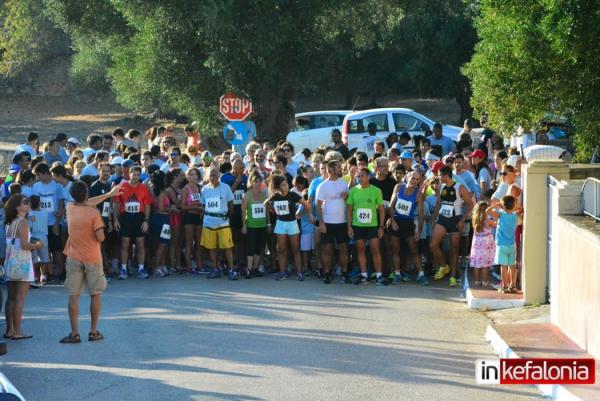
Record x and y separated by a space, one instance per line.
449 219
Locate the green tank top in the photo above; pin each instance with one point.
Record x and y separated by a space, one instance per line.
256 213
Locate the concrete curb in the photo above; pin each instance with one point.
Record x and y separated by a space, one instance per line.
488 303
553 391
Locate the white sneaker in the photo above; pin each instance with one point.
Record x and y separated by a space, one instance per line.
261 268
123 275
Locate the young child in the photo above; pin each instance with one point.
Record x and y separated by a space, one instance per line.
507 217
38 225
483 247
307 230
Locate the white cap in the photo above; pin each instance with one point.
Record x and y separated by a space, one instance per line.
117 160
512 160
74 141
207 155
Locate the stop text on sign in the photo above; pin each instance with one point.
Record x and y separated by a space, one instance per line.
234 107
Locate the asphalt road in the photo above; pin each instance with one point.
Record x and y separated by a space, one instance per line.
189 338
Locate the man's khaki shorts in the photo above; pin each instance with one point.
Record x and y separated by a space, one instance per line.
81 274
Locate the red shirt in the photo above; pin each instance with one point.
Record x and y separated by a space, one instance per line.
134 199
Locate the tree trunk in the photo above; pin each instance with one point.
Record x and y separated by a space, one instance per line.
275 116
463 97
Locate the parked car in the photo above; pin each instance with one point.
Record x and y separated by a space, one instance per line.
355 134
313 129
8 392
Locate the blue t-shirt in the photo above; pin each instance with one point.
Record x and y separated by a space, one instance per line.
484 176
446 143
468 180
38 223
505 231
50 194
215 200
312 192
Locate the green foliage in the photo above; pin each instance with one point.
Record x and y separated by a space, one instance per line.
535 57
27 37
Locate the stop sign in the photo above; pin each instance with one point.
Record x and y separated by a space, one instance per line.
234 107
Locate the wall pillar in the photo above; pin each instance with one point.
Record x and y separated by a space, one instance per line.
535 225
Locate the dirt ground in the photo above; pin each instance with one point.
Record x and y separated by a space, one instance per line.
78 117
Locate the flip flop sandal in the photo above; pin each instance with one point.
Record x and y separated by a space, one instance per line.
21 338
6 336
71 339
97 336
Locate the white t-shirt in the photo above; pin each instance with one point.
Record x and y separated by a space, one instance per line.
166 167
334 206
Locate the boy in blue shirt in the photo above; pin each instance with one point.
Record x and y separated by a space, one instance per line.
507 216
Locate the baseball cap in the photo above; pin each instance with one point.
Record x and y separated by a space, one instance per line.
116 161
449 158
431 157
128 163
478 153
14 168
417 167
407 154
207 155
512 160
437 166
74 141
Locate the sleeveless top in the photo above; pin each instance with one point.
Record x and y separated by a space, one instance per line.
12 234
406 205
256 212
452 202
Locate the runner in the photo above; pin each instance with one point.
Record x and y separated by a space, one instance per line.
161 221
192 219
256 224
100 187
131 218
366 215
408 205
449 217
331 209
216 200
237 181
283 204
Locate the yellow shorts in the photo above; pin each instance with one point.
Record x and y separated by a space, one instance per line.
80 275
210 237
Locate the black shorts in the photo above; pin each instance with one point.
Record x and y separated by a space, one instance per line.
54 242
191 219
406 228
235 221
256 238
449 223
365 233
131 225
336 234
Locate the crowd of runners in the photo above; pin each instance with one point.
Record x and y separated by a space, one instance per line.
391 215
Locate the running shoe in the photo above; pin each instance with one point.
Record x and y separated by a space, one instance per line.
164 271
143 274
248 274
442 272
381 280
422 279
281 276
216 273
233 274
194 271
452 282
123 274
391 276
327 278
338 270
360 279
405 276
157 273
345 279
300 276
397 279
173 270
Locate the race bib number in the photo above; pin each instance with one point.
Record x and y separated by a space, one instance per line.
258 211
132 207
195 197
105 209
403 207
237 197
364 216
447 210
386 204
213 205
165 232
282 208
47 203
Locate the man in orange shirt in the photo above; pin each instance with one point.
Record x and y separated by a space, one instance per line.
84 257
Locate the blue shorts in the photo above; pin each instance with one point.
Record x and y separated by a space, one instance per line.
287 227
161 227
506 255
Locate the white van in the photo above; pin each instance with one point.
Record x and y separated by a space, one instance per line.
355 132
313 129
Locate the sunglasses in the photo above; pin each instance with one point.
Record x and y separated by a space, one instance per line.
287 150
505 173
175 154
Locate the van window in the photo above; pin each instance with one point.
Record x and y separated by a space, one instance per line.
302 123
406 122
360 125
326 121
